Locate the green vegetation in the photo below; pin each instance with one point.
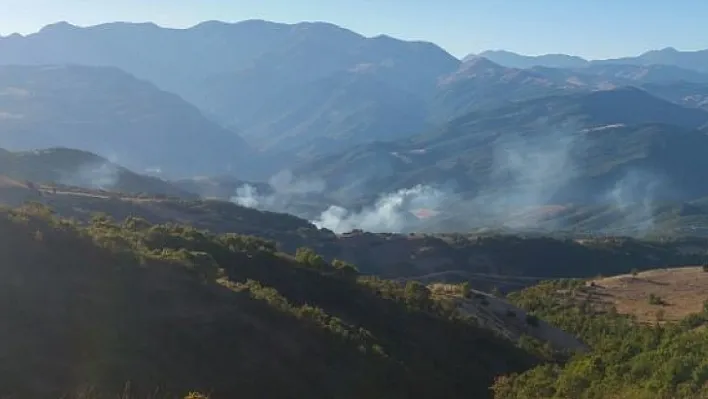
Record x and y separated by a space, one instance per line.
628 360
177 309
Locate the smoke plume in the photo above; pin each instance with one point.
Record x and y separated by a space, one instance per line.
101 175
284 190
634 195
527 182
395 212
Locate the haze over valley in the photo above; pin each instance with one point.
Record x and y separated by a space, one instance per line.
372 133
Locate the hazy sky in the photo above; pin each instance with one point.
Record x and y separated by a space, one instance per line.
590 28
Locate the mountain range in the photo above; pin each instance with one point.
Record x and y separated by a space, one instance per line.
295 91
354 117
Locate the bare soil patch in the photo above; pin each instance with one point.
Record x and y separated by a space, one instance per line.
682 291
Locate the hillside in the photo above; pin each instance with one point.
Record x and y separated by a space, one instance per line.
112 114
176 309
586 148
678 293
662 359
68 167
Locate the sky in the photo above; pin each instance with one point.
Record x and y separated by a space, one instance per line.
589 28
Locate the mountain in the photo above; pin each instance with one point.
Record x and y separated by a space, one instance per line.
648 74
301 87
335 113
693 60
514 60
684 93
108 112
554 149
480 84
688 60
68 167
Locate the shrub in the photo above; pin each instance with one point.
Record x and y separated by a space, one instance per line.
465 289
656 300
308 257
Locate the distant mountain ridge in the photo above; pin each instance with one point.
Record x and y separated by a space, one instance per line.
692 60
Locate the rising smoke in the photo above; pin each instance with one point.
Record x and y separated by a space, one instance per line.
517 191
94 175
634 196
284 191
395 212
527 172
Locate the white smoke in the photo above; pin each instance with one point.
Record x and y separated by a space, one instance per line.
393 212
284 190
527 171
284 183
634 196
247 195
102 176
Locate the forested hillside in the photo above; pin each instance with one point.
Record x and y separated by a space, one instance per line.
172 308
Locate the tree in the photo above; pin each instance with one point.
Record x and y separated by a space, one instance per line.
495 292
465 289
417 294
345 269
309 257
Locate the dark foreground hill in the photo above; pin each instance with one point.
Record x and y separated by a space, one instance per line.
175 309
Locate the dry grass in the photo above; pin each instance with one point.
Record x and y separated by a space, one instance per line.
682 290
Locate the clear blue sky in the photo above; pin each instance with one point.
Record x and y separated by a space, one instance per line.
590 28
